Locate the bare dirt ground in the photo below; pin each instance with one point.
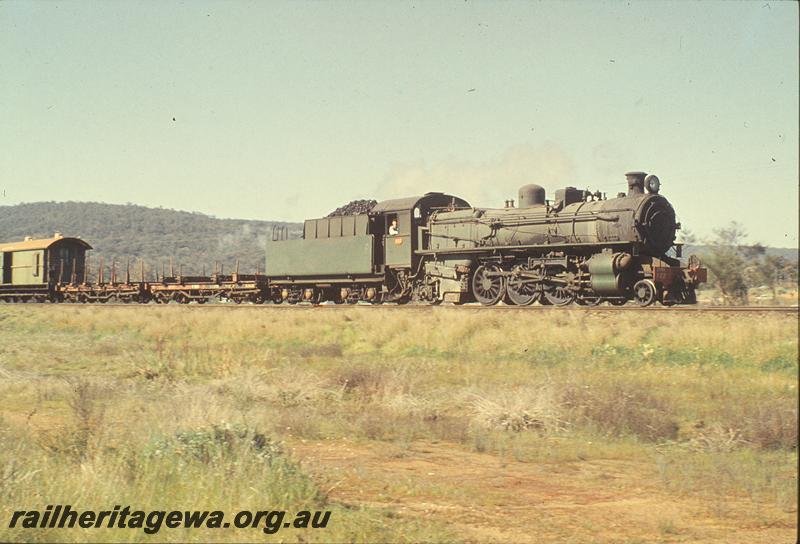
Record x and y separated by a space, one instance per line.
487 498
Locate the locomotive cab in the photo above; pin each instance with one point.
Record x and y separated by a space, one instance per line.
397 251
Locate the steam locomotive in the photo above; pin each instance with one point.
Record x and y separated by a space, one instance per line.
579 247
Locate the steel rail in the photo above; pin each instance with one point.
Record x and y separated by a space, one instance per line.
424 307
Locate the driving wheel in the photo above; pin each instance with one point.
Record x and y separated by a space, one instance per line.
558 295
488 284
521 291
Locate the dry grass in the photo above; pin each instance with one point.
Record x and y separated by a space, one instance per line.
710 403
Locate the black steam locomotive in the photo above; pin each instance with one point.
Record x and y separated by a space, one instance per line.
580 247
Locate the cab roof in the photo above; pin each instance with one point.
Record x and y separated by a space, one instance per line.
42 243
428 200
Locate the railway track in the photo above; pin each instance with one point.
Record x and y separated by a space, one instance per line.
448 307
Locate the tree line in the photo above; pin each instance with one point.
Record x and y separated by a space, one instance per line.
736 266
196 243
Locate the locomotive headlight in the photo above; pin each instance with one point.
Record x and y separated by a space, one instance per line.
652 184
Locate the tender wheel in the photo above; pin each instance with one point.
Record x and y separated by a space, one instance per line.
354 297
558 295
645 292
325 295
488 285
521 291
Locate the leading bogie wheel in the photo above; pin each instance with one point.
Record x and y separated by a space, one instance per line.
645 292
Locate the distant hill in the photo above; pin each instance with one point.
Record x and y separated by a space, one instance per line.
194 240
154 234
788 253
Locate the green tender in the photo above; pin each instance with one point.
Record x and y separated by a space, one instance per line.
321 256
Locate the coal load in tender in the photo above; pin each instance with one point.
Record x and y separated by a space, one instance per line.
354 207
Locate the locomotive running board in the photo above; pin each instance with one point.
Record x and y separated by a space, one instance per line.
483 249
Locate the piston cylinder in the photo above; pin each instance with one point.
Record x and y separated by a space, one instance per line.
607 272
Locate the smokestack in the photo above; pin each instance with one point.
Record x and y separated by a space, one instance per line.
635 182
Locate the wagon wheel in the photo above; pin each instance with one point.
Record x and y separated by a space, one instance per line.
488 284
558 295
645 292
521 291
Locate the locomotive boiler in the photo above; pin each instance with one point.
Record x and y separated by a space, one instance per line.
580 247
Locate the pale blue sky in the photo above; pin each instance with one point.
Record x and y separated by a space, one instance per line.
288 110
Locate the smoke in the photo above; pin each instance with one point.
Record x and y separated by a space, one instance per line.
486 183
608 162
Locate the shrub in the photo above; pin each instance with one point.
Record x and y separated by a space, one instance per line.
218 441
619 409
528 409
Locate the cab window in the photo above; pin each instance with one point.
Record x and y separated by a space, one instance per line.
392 225
404 223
